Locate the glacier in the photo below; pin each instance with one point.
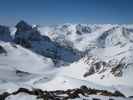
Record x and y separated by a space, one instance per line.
62 57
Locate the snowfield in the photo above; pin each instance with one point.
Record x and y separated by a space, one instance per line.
66 57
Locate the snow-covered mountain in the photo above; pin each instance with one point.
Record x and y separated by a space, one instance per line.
102 46
66 56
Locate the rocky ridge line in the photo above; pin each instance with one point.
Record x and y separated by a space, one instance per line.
63 94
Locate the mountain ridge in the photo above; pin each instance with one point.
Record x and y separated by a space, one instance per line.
69 55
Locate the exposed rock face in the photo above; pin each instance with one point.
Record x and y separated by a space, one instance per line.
62 95
101 41
25 34
98 66
2 50
22 26
5 34
21 73
30 37
4 95
81 30
106 44
117 69
95 66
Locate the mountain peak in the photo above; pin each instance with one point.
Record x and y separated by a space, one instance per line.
23 26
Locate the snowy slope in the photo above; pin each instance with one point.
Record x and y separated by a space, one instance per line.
29 37
102 44
99 56
22 59
19 66
69 34
109 82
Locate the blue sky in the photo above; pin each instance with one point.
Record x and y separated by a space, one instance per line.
47 12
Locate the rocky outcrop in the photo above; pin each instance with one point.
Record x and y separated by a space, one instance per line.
2 50
61 94
98 66
21 73
5 34
117 69
82 29
25 34
29 37
22 26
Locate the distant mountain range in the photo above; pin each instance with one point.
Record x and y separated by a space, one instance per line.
66 56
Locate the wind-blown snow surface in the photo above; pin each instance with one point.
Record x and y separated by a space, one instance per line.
105 42
24 60
21 67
